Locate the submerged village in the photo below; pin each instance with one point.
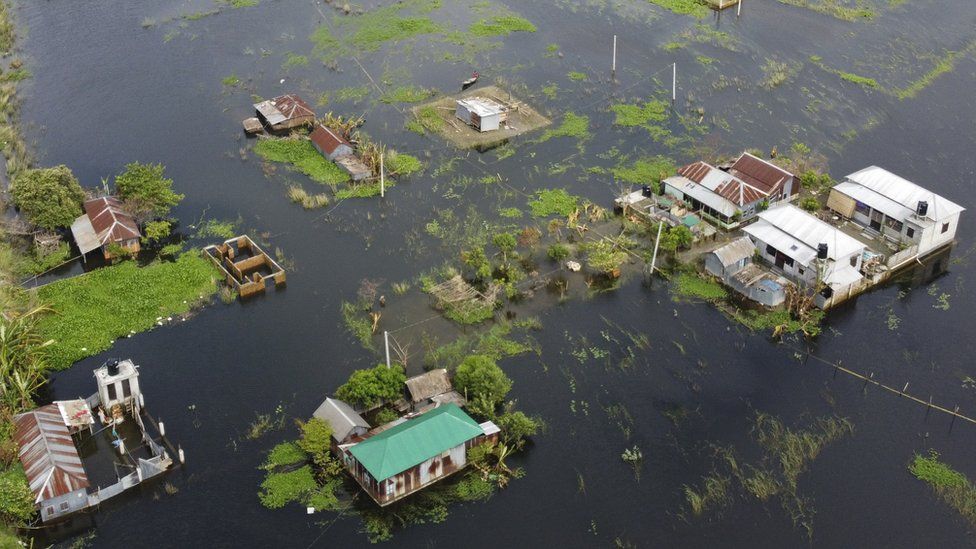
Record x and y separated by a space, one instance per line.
448 266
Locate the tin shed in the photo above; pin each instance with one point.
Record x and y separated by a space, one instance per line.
481 113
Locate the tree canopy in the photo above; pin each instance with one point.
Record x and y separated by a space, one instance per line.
372 386
483 382
50 197
145 191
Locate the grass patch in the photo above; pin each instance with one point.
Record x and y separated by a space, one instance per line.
293 60
553 202
308 201
92 310
689 285
835 8
406 94
212 228
501 26
496 342
402 164
577 76
683 7
650 116
231 81
280 489
352 93
426 120
371 30
36 263
776 73
848 76
303 157
358 324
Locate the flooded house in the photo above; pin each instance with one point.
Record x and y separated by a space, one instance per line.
896 209
247 268
75 453
806 250
432 389
103 224
339 150
481 113
733 264
346 423
413 453
283 113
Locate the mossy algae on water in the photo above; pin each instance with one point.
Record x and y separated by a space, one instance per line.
300 153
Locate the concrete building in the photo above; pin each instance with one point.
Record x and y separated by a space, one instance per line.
805 249
896 208
481 113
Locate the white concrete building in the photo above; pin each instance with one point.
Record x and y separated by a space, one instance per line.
896 208
805 248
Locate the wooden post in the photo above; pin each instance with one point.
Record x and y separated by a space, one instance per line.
382 192
613 62
657 241
386 342
674 83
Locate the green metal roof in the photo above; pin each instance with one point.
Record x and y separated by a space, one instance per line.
415 441
690 220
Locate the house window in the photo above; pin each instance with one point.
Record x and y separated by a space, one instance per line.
788 261
853 261
893 224
770 250
111 392
390 487
945 227
910 232
862 208
126 390
800 270
64 506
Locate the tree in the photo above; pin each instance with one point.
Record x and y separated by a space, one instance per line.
372 386
156 231
506 243
145 191
50 197
516 427
677 237
603 256
482 382
478 262
316 441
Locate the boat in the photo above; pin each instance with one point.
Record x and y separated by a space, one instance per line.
470 81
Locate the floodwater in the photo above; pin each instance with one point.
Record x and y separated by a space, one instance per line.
106 91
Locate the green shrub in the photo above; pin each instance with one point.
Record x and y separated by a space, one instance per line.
286 453
280 489
479 377
16 499
372 386
557 252
810 204
49 197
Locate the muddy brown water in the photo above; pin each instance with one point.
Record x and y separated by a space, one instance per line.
106 91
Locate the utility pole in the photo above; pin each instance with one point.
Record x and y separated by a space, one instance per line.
382 194
674 83
738 9
386 342
657 241
613 62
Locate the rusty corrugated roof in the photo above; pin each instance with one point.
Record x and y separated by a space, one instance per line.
48 453
110 221
759 173
288 107
326 139
726 185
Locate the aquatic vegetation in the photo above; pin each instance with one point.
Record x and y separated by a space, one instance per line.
231 81
684 7
650 116
703 34
280 489
573 125
942 66
308 201
407 94
91 311
694 286
16 499
239 3
353 93
577 76
37 261
848 76
777 73
510 213
550 90
300 154
635 458
375 28
557 251
502 25
212 228
286 453
293 60
494 342
645 171
401 164
358 323
553 202
713 494
835 8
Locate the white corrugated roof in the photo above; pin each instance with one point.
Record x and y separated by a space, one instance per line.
340 416
270 112
797 234
876 201
481 106
84 234
735 251
902 191
702 194
844 276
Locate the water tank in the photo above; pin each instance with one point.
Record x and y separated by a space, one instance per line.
646 190
113 366
922 208
822 250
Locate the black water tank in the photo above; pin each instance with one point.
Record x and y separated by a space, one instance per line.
646 190
827 292
113 366
922 209
822 250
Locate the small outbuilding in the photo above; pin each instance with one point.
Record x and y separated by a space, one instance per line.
103 224
329 143
345 422
431 389
759 285
481 113
285 112
731 258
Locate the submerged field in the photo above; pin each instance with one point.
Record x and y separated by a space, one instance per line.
667 421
